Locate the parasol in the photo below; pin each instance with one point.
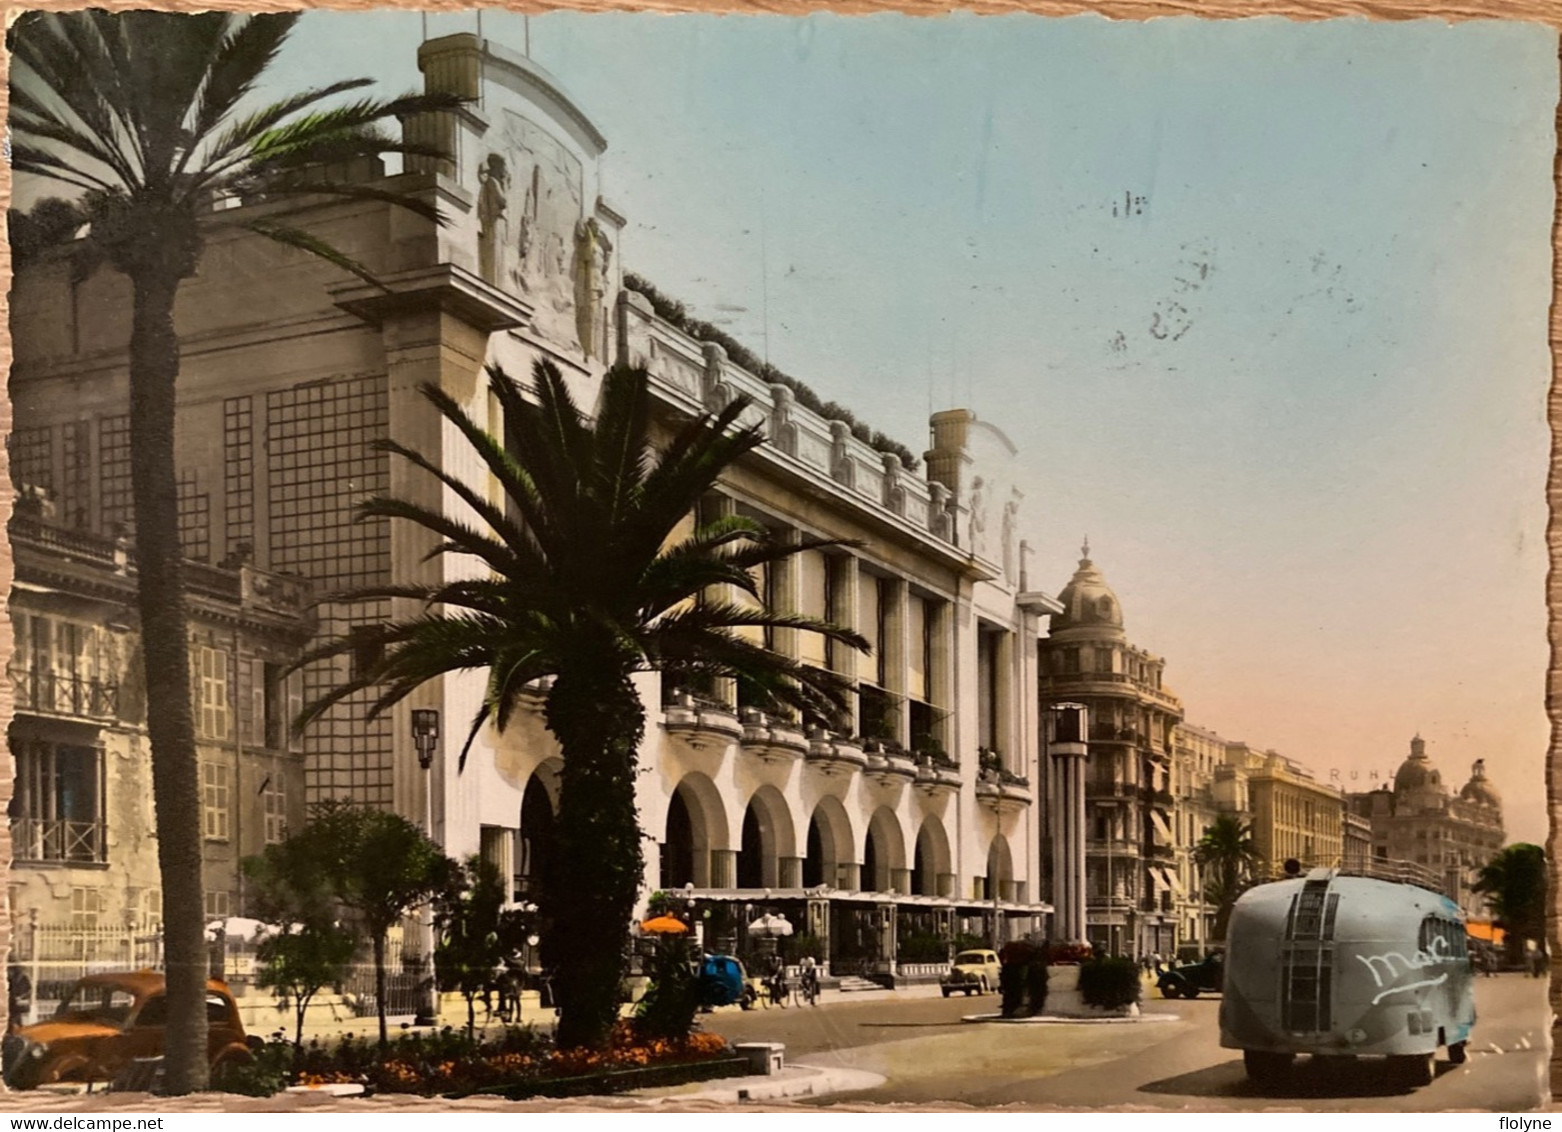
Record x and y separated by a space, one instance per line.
771 926
664 925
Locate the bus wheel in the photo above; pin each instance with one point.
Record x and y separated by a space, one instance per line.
1458 1053
1266 1068
1415 1069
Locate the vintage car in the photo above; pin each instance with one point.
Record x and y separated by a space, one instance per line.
107 1021
1188 980
974 972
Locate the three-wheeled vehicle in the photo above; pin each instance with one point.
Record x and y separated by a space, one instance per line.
722 981
1346 966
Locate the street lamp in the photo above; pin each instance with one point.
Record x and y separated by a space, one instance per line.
425 737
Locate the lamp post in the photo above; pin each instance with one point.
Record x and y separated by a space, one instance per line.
425 738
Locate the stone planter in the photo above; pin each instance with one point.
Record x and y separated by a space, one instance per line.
1063 993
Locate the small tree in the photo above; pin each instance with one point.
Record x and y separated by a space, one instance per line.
477 936
301 961
1228 852
311 950
379 866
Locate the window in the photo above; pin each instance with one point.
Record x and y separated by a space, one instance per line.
1103 660
57 807
273 795
86 907
214 800
209 692
152 910
1071 661
216 904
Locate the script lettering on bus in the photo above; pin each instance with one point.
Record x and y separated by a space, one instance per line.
1391 966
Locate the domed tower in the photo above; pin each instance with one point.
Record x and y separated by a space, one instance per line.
1090 608
1479 789
1417 780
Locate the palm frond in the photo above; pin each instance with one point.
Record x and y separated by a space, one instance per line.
246 53
304 241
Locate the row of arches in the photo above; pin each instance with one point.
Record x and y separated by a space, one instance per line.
696 849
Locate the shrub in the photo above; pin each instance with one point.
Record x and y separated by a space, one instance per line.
922 947
1068 954
795 947
1109 982
1022 979
670 1004
267 1072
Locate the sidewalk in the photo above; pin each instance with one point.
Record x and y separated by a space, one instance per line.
790 1083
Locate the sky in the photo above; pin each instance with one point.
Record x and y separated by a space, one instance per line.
1262 305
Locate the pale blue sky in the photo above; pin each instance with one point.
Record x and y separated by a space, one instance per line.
1296 400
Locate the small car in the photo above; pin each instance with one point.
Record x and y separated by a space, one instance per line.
107 1021
722 981
974 972
1189 979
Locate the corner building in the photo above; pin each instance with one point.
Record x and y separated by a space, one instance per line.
1131 875
912 814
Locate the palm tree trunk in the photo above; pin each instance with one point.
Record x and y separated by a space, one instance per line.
154 371
379 985
598 719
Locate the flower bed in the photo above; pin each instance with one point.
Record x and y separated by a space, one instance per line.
520 1063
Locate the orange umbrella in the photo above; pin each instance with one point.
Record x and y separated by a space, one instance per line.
664 925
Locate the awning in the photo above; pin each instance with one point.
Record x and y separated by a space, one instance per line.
1162 828
1485 931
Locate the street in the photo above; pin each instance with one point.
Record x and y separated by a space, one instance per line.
928 1054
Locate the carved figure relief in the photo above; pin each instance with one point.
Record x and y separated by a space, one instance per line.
1010 510
979 517
590 271
548 207
492 227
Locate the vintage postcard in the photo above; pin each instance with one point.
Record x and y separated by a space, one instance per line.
984 560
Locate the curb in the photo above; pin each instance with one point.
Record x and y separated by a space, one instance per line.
811 1082
1066 1020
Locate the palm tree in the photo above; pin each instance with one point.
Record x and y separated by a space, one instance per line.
140 113
1230 858
582 580
1514 884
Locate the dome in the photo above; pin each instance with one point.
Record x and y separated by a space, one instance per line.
1417 772
1087 600
1479 789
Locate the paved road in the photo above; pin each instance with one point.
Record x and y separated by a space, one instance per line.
928 1055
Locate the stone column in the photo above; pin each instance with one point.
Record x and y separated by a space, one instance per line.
1067 753
900 881
850 874
791 873
895 645
723 868
846 612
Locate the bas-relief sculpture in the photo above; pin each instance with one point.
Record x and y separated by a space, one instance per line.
535 238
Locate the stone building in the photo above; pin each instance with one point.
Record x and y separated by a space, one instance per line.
84 880
1204 786
1131 856
1422 822
915 814
1295 817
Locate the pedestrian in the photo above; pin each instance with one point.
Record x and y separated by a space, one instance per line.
1156 959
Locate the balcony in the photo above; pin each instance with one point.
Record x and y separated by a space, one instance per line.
1003 790
771 738
835 754
699 721
54 693
59 840
937 773
887 763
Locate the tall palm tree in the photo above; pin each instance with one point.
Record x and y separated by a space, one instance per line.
142 114
582 579
1514 884
1229 857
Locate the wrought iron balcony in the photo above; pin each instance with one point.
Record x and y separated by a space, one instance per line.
58 839
53 693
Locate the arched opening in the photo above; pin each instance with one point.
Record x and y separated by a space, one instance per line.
930 862
536 836
828 845
678 849
814 866
696 825
883 854
751 853
1000 870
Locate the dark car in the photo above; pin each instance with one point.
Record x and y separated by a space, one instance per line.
1188 980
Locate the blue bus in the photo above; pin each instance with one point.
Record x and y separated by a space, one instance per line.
1347 967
